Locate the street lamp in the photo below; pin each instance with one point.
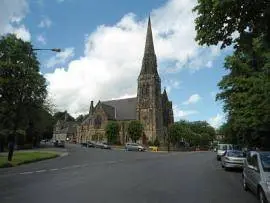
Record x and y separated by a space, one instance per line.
54 49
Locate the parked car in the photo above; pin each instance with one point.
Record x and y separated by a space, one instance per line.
84 144
59 143
90 144
232 159
134 147
222 148
102 145
256 174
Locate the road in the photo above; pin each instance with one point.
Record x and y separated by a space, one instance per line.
95 175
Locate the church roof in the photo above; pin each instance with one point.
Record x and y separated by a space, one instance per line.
121 109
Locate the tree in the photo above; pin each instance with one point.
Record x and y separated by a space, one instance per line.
218 20
245 92
22 87
245 89
135 130
112 131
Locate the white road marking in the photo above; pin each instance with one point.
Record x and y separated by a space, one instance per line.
41 171
54 169
28 172
111 162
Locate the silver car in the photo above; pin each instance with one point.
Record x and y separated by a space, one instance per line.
256 174
232 159
134 147
222 148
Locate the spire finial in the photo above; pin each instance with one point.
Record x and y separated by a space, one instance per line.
149 44
149 63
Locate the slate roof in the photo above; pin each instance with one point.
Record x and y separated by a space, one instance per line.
121 109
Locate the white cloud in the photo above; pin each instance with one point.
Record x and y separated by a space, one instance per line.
217 120
12 14
41 39
209 64
61 58
180 114
45 23
192 99
113 54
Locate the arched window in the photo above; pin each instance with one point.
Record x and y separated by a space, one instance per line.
97 122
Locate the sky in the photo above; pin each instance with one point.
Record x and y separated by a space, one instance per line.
102 43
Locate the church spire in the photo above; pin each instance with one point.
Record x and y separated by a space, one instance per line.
149 63
149 44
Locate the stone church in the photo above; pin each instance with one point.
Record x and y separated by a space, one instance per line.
151 107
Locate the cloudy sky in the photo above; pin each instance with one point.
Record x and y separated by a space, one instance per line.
103 42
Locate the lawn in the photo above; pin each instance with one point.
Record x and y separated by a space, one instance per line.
25 157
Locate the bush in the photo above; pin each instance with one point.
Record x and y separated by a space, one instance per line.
150 143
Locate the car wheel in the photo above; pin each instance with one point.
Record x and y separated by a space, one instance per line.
245 183
262 197
139 150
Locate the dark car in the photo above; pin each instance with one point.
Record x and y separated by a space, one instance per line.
91 144
60 143
84 144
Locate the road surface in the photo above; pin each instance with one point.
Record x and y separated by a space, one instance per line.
95 175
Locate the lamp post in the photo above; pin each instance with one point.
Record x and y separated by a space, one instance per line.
53 49
31 50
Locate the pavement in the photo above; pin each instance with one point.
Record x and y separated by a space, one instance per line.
115 176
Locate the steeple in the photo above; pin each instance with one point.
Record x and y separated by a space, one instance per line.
149 44
66 116
149 63
165 96
91 110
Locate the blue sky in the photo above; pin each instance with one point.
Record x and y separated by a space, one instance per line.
102 43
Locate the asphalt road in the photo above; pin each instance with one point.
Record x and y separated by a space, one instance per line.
94 175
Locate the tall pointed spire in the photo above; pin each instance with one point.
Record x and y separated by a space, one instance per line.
91 110
149 44
149 63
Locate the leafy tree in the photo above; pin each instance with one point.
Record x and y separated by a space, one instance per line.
245 90
22 87
195 133
135 130
218 20
112 131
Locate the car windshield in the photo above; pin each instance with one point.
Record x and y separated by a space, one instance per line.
235 154
224 147
265 158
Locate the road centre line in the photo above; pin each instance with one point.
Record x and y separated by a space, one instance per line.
26 173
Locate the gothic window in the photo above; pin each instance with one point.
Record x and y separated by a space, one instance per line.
97 122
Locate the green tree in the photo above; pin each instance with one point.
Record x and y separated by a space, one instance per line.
135 130
112 131
218 20
245 92
245 89
22 87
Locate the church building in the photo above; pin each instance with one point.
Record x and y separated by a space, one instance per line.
151 107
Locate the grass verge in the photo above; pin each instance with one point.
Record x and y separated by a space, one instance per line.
20 158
